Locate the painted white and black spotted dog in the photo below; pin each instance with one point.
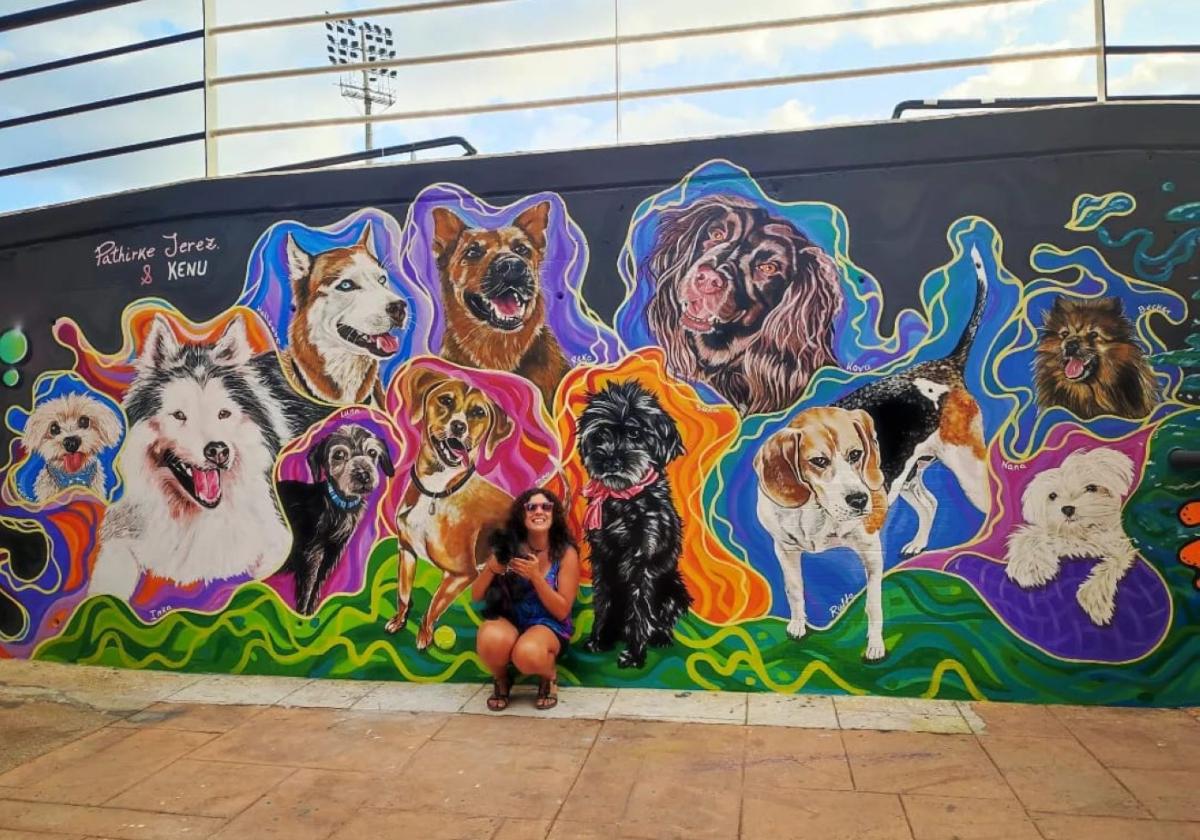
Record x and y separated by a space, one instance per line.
626 441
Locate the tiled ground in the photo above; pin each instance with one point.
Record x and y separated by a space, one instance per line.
95 753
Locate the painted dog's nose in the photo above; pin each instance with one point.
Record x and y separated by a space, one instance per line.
858 501
1068 510
71 444
458 428
509 268
396 310
217 452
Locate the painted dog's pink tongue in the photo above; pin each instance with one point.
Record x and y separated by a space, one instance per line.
207 484
507 304
387 343
73 461
1074 369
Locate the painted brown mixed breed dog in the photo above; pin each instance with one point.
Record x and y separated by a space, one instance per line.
449 510
1087 361
743 301
492 297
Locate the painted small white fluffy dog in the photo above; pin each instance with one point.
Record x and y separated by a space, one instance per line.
70 432
1074 511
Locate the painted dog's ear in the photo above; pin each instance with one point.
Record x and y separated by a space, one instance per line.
670 444
367 241
534 221
316 459
869 463
502 427
233 347
778 466
447 227
414 385
161 345
385 457
299 264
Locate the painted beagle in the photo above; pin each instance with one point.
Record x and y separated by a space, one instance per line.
821 487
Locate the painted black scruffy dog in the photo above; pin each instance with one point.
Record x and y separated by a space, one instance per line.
626 441
324 515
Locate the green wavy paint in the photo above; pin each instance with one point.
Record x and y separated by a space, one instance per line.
942 639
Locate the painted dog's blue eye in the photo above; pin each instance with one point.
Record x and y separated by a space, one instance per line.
345 286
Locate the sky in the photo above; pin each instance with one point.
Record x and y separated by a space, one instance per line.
1021 26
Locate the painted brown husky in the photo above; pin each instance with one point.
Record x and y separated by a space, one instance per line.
345 314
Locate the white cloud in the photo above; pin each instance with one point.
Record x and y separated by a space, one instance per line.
980 23
1156 74
675 119
1046 77
571 130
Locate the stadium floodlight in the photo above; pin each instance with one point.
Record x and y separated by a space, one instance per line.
362 42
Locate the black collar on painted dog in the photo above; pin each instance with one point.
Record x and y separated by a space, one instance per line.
454 488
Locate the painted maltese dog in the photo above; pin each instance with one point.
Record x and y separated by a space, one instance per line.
1074 511
69 432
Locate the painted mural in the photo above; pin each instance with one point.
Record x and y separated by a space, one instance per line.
967 499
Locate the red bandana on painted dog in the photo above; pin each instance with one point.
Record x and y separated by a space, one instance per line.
596 493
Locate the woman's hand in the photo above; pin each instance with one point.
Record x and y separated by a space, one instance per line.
494 566
527 567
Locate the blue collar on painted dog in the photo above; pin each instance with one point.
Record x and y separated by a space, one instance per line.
343 502
65 479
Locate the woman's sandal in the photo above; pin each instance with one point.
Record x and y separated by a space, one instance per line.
547 696
498 702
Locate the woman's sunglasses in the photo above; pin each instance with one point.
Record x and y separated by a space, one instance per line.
534 507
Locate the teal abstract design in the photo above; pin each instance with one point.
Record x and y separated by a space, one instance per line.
1091 211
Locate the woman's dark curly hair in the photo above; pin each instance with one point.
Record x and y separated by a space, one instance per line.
560 536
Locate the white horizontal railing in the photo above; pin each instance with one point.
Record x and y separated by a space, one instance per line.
651 93
616 95
614 41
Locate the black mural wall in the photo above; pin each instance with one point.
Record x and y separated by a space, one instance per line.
936 237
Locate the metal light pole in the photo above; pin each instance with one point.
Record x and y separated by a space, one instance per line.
363 43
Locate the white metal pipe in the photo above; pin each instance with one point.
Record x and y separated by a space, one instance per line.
680 90
211 167
586 43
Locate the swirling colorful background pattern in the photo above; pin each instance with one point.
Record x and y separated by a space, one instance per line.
955 627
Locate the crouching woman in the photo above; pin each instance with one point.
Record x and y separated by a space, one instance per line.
529 584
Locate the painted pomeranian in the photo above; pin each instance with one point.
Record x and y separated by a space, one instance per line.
70 432
1074 511
1088 361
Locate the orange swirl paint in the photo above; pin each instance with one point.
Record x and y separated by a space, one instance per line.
112 373
723 588
1189 554
78 522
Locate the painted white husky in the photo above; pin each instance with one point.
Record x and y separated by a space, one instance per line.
205 424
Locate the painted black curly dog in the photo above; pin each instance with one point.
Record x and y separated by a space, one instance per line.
626 440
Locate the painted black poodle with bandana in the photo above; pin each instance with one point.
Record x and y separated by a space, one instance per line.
626 441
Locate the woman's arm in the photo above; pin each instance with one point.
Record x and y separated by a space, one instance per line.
560 601
491 568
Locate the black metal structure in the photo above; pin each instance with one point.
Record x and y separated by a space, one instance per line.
371 154
1009 103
